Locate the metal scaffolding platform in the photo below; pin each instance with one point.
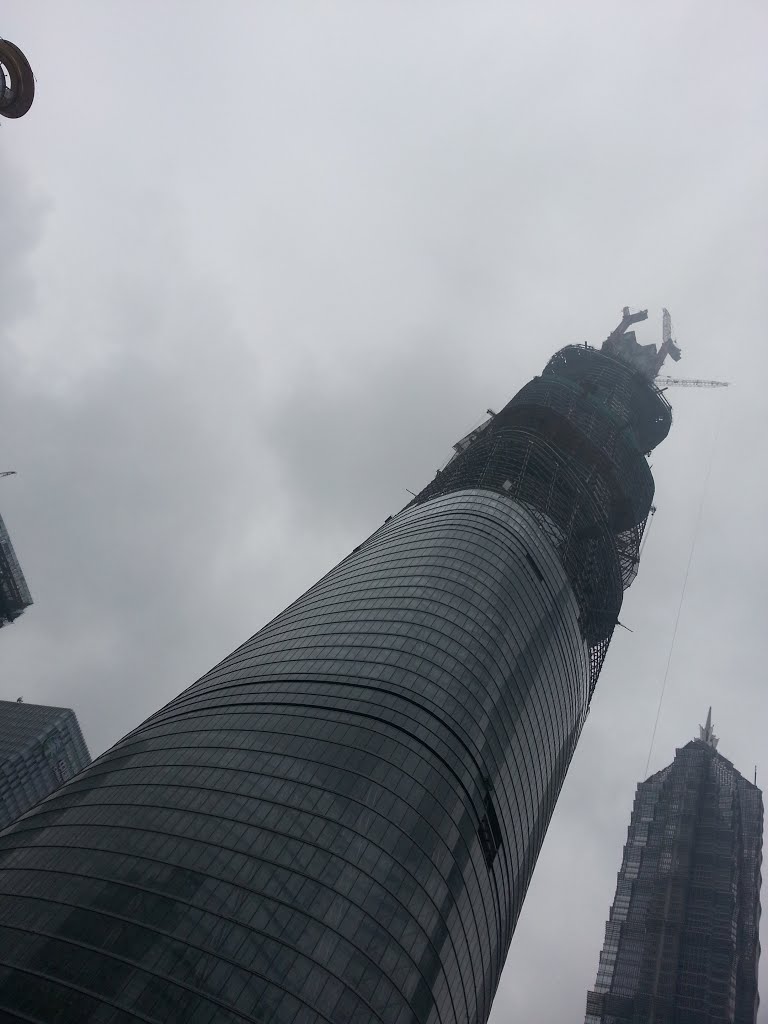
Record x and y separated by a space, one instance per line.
571 447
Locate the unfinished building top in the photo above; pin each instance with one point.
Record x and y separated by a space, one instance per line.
647 359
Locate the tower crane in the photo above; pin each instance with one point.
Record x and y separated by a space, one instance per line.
668 347
689 382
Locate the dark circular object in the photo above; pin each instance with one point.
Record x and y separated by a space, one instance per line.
17 83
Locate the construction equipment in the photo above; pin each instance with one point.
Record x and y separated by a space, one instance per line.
668 346
647 359
8 472
689 382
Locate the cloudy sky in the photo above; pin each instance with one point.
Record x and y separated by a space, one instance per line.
263 263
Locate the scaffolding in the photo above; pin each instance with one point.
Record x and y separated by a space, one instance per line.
571 447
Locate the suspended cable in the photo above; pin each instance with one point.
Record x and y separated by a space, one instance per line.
646 534
685 584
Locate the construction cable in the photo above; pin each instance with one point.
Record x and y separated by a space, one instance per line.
685 585
646 533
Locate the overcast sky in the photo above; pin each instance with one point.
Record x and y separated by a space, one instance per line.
263 263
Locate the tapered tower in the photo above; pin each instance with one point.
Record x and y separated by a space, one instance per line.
339 822
681 943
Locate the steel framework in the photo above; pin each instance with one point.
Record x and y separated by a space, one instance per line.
571 447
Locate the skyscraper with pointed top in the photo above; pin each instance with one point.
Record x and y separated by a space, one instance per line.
681 943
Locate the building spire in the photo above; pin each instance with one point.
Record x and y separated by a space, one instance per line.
707 732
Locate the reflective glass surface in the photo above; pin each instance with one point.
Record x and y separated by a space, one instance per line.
40 748
339 822
682 941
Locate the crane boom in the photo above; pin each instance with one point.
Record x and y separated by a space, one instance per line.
689 382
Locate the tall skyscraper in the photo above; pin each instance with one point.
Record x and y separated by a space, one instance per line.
681 943
339 822
40 748
14 592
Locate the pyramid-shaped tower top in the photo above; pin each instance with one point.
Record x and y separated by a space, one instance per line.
707 732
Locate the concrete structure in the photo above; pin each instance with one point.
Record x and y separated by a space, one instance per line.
681 943
339 822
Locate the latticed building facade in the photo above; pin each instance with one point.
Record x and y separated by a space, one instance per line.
681 943
339 822
40 748
14 592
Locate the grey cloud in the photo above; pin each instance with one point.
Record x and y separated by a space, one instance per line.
256 295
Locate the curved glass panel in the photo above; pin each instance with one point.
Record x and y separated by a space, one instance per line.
337 823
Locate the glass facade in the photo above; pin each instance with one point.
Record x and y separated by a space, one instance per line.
14 592
681 943
40 748
339 822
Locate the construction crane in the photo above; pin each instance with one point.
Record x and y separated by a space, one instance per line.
689 382
8 472
668 347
